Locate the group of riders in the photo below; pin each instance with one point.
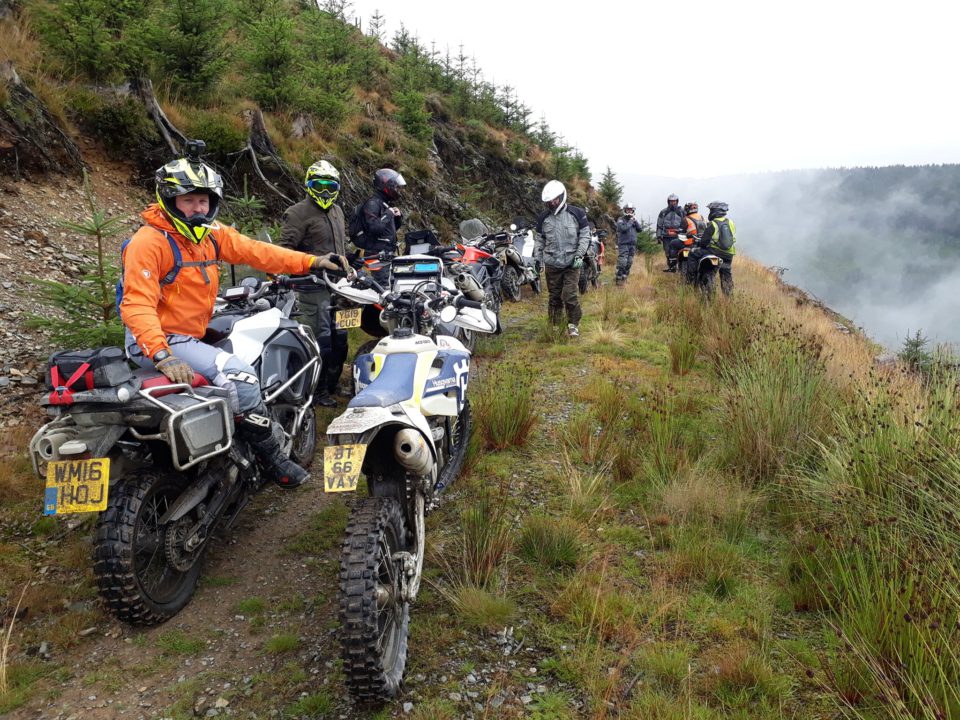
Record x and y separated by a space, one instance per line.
170 274
685 228
170 280
563 239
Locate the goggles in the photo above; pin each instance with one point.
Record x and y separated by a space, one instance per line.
324 184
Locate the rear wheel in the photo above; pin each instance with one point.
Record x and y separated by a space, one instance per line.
584 281
708 284
143 572
510 283
374 615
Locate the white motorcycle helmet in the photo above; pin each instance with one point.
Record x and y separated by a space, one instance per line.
554 196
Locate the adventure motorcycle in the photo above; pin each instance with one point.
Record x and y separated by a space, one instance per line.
160 461
406 431
519 267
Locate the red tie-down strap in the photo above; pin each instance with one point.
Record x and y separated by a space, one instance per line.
62 394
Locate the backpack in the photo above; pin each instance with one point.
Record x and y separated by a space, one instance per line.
357 225
178 263
725 237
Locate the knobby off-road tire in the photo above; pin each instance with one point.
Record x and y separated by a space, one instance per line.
468 338
134 576
583 281
375 620
462 430
304 446
510 283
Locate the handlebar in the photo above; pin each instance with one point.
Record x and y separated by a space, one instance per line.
464 302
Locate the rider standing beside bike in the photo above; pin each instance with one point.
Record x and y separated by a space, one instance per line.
170 277
627 229
315 225
720 239
563 236
374 225
670 223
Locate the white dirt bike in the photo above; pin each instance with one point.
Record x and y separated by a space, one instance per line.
406 431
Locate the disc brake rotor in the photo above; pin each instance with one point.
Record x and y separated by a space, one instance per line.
176 554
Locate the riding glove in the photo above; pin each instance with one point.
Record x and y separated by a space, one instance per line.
577 262
176 370
330 262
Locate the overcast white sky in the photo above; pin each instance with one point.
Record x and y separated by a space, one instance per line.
706 88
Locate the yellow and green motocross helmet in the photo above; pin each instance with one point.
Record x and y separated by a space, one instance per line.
322 183
184 176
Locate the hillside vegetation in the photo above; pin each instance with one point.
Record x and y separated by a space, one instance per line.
274 85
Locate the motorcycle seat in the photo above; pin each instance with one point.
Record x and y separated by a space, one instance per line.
394 384
153 378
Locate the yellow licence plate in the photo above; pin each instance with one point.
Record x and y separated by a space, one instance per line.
75 486
341 467
348 318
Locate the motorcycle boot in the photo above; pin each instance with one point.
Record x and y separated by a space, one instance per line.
257 430
324 399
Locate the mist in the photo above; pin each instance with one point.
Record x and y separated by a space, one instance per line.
881 246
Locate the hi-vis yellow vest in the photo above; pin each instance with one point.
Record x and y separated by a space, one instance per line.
724 236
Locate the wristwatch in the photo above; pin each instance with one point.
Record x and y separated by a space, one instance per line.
160 355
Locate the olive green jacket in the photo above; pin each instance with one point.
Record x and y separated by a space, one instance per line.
309 229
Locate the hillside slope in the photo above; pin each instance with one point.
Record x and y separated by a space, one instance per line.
695 510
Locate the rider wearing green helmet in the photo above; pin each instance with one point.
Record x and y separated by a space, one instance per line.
316 225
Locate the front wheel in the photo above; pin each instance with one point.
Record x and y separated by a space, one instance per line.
510 283
468 338
304 445
374 615
145 576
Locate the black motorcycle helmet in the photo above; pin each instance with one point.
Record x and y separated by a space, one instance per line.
717 209
388 182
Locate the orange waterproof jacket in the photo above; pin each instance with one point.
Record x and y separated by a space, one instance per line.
152 311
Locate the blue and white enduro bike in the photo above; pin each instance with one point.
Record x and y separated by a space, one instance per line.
406 431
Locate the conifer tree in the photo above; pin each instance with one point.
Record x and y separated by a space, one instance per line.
609 189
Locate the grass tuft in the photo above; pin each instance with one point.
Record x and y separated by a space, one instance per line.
506 406
551 543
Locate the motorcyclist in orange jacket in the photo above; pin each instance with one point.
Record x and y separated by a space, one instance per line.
166 309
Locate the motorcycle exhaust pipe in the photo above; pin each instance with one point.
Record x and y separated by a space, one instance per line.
48 445
468 285
412 452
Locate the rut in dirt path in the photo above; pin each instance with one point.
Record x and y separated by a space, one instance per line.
258 633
